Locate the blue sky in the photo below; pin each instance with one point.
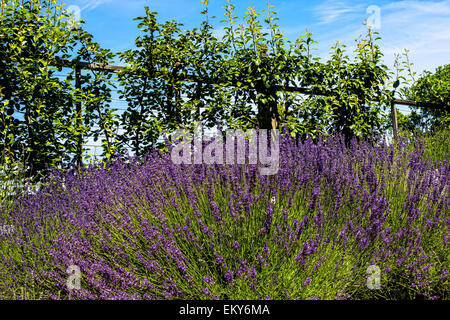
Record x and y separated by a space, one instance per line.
423 27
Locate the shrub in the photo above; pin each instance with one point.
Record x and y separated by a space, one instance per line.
150 229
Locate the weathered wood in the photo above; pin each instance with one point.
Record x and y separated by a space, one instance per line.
394 120
86 65
417 103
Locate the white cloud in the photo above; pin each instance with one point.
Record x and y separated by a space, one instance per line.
333 10
92 4
421 7
422 27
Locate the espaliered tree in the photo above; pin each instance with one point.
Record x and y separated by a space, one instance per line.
33 99
154 82
258 64
45 119
431 88
96 117
356 91
157 81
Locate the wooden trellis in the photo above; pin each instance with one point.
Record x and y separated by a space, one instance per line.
79 65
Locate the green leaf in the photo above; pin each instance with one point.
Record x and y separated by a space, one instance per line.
396 83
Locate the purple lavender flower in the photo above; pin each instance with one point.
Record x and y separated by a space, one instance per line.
236 246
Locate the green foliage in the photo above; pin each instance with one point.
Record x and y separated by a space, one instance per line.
176 78
436 145
95 116
32 97
263 61
12 178
154 81
432 88
404 122
359 87
40 122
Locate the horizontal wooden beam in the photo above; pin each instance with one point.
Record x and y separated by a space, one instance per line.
86 65
416 103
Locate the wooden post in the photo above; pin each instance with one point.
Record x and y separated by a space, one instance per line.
79 156
394 120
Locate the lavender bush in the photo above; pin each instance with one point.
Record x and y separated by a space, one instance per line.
149 229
